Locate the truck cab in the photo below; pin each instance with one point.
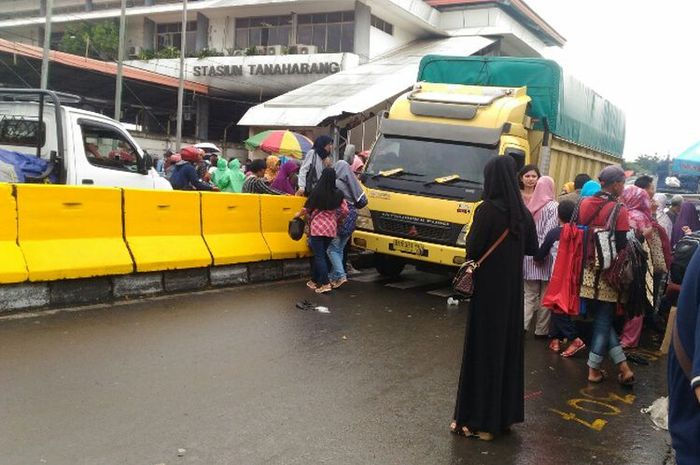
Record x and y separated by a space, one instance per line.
424 176
78 147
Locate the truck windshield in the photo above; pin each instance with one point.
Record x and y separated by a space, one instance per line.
428 161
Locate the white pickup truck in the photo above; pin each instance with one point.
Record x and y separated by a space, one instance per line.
70 146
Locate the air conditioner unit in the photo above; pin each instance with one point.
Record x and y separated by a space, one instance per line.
134 52
273 50
239 53
307 49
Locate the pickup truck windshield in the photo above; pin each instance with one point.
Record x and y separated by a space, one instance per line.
428 161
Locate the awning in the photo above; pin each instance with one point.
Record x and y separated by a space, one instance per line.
104 67
359 89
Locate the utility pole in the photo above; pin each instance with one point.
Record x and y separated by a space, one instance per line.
47 46
120 64
181 86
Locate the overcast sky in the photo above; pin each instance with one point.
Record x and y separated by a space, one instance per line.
643 56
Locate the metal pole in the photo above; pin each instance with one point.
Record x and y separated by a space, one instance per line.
181 86
47 46
120 64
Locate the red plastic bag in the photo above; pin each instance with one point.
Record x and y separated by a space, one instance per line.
562 294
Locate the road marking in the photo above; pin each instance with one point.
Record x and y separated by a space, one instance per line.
597 425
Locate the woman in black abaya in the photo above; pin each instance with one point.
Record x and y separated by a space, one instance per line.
491 382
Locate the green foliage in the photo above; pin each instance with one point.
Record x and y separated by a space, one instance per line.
645 164
99 40
208 52
168 52
147 54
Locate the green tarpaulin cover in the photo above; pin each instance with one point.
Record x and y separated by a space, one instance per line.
574 111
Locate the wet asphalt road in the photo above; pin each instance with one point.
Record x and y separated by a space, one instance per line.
241 376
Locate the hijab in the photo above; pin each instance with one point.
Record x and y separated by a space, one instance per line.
236 175
638 206
543 194
346 181
590 188
357 164
502 191
273 167
325 196
282 182
688 216
568 188
320 146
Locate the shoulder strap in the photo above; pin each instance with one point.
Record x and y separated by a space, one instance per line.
681 355
493 247
595 214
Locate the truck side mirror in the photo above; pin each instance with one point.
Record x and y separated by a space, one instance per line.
145 163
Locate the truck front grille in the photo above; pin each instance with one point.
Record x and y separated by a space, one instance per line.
416 228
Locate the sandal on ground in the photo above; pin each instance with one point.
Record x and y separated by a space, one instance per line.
555 345
575 346
626 381
323 289
305 305
338 282
311 285
603 376
464 431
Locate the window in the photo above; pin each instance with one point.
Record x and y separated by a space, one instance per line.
170 35
263 31
18 131
329 32
382 25
108 148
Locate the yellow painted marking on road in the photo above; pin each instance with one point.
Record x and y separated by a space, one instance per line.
596 425
611 397
608 409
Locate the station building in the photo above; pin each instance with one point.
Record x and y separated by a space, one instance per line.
312 65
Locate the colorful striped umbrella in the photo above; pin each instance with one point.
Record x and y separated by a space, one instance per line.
282 142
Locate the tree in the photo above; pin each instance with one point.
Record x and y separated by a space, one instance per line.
645 164
99 40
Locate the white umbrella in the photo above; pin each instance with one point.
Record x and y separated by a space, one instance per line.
208 147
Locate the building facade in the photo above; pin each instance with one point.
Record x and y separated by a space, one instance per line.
249 52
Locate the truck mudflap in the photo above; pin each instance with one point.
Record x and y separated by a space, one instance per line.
409 249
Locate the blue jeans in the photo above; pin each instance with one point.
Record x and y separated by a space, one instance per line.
335 254
319 265
563 327
604 339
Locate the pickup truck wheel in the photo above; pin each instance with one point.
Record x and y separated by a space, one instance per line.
388 266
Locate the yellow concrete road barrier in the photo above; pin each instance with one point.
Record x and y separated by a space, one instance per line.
163 230
71 232
231 228
13 268
276 211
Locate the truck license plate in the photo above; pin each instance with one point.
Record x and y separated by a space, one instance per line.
409 247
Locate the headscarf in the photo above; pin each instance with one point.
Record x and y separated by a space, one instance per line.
590 188
273 167
688 216
221 177
282 182
543 194
325 196
346 181
638 206
568 187
236 175
501 189
357 164
320 144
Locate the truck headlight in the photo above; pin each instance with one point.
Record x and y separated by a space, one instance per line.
462 238
364 220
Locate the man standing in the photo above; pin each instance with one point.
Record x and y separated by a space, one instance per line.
675 209
255 181
684 370
573 197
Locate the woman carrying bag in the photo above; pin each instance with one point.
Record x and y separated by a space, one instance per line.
491 382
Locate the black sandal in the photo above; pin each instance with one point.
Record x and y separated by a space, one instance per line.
603 377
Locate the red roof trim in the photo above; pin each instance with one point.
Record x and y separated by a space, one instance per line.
105 67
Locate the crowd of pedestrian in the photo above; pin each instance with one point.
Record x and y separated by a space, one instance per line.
603 251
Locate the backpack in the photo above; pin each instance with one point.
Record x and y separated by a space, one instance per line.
682 253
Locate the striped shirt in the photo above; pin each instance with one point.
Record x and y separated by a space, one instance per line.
546 221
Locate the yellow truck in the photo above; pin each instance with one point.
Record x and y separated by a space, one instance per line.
424 175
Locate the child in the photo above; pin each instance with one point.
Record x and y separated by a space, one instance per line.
563 326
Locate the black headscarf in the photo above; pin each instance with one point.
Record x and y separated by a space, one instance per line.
501 189
320 146
325 196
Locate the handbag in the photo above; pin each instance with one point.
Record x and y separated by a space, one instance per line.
604 241
311 176
296 228
562 295
463 283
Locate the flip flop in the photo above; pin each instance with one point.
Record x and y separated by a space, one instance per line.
305 305
627 382
603 377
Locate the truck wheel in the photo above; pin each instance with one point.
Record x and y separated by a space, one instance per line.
388 266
